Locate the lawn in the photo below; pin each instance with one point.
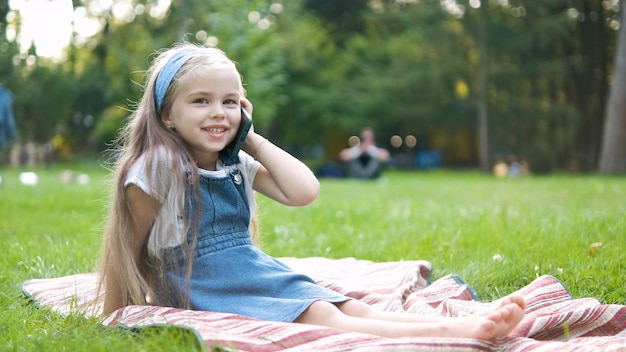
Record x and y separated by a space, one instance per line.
498 234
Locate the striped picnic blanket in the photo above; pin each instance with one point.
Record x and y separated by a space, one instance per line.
554 321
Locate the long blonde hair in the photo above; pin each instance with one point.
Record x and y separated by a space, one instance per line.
163 149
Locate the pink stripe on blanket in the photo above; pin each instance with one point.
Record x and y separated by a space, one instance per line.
554 320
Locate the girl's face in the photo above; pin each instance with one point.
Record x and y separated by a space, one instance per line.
205 111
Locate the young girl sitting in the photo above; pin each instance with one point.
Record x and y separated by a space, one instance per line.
178 231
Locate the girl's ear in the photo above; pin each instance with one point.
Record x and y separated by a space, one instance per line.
166 119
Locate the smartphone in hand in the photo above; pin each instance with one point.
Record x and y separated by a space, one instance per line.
233 148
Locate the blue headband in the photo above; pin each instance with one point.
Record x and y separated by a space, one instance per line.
169 70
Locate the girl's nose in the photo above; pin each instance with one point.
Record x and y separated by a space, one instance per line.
218 112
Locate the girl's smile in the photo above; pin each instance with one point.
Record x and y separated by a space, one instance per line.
216 132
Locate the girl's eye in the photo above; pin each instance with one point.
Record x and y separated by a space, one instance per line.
201 101
229 102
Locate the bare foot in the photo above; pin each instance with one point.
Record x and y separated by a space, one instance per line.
514 298
498 321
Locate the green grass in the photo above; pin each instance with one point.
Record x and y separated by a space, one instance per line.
457 220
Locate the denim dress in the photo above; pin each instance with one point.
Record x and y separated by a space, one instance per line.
229 273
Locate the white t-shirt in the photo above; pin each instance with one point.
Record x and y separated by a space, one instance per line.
168 230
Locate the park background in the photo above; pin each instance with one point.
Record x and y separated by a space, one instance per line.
471 82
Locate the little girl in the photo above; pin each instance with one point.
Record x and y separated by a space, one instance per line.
178 231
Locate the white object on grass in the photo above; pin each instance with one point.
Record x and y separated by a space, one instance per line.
29 178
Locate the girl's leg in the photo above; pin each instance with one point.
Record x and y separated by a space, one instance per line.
358 317
360 309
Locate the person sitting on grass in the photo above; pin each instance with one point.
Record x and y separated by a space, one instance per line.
178 232
365 159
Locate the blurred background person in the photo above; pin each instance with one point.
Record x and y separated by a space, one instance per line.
364 158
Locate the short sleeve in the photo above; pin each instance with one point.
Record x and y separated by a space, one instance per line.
154 180
250 166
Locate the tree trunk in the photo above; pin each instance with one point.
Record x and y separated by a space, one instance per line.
483 113
613 154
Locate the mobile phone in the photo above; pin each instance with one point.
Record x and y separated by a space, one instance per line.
233 148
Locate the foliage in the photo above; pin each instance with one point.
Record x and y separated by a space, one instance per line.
310 102
37 85
401 82
107 129
318 71
544 119
245 30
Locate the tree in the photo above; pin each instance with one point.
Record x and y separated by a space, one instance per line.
613 155
116 65
483 111
319 70
342 18
310 92
547 67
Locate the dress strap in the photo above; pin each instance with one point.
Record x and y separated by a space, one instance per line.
229 160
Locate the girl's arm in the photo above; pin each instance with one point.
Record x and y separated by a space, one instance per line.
143 209
281 176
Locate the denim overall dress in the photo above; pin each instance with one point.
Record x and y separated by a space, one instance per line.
230 274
